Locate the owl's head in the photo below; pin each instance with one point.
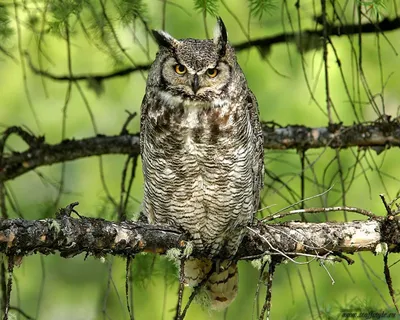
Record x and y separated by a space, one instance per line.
194 69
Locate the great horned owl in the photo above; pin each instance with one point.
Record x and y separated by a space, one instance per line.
202 153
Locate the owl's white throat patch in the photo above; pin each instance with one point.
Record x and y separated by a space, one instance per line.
169 99
173 101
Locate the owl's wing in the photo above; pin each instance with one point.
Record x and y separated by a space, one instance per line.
258 162
143 114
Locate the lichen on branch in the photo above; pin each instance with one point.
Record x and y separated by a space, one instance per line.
70 236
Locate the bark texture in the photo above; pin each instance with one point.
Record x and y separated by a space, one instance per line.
98 237
378 136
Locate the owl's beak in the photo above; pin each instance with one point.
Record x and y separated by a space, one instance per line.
195 84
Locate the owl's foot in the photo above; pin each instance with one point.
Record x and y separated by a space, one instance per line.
143 218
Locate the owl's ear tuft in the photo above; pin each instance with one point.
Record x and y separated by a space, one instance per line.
164 39
220 37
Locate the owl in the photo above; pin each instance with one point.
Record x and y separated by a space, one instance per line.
202 153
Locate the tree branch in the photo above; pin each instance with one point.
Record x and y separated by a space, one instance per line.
93 76
377 135
332 30
98 237
44 154
265 43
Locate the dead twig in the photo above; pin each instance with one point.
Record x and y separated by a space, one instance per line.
389 283
268 283
364 212
388 210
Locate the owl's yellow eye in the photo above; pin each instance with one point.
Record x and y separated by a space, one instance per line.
212 73
180 69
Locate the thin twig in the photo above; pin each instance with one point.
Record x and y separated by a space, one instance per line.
327 271
257 294
3 286
128 282
298 202
107 290
268 296
325 58
284 254
342 256
3 206
98 77
389 283
131 179
319 210
388 210
23 66
180 290
163 310
121 208
22 312
131 116
41 288
164 11
9 286
196 290
303 287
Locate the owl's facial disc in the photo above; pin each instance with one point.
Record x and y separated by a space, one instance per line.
195 80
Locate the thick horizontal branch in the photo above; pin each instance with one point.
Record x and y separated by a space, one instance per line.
378 135
375 135
333 30
98 237
265 43
44 154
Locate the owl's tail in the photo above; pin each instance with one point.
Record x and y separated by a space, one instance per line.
219 286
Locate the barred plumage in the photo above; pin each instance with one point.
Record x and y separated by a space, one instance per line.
201 145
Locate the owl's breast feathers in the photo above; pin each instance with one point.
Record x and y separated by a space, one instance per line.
201 167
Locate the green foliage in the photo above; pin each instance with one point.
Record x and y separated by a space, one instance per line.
61 11
209 6
90 16
147 267
6 30
259 7
99 31
143 268
170 270
374 7
129 11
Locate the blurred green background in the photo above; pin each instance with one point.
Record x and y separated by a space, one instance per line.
50 287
